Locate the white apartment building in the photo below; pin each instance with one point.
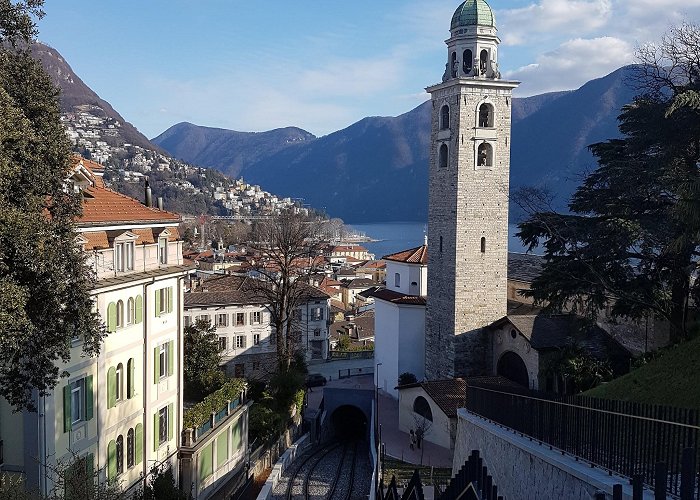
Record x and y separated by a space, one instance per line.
121 412
243 323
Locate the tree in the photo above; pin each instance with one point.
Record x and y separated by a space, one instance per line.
44 280
628 241
288 247
202 358
407 378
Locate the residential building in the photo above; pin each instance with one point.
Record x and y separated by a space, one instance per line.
119 413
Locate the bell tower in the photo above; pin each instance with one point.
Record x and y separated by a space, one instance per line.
468 193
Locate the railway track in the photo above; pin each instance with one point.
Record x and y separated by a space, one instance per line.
316 457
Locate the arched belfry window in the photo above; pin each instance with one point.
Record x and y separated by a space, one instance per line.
445 117
422 408
483 62
444 153
485 155
453 65
486 118
467 62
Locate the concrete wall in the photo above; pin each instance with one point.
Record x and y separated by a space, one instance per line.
410 273
503 342
440 431
524 469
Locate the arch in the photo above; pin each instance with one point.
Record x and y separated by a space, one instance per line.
120 313
120 454
422 408
443 156
484 156
467 61
486 115
511 366
483 62
444 117
130 449
119 382
453 65
349 422
130 309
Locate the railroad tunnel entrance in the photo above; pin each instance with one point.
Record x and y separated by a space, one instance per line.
349 423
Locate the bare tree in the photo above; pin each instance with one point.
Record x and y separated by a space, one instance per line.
288 250
422 427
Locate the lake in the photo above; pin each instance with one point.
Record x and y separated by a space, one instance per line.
396 236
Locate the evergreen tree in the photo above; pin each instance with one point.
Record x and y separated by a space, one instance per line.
628 242
44 282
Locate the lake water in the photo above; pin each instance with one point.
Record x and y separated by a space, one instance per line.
396 236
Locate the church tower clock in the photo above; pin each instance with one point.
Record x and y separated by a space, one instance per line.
468 192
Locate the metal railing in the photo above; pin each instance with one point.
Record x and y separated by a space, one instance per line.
623 437
355 372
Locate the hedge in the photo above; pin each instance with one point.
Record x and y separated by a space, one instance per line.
213 403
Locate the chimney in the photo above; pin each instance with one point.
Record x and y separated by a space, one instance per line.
149 195
160 203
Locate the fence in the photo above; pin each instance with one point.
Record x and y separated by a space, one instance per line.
631 439
264 456
351 354
355 372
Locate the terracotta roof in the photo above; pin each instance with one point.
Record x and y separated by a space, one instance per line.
360 328
398 298
449 394
359 283
145 236
338 305
374 264
418 255
102 206
95 240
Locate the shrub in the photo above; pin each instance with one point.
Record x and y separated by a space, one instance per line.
407 378
215 402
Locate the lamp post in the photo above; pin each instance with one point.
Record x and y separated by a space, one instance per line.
377 443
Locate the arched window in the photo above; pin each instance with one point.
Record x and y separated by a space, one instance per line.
454 65
120 314
120 382
485 155
120 454
467 62
130 379
483 61
422 408
130 311
486 115
130 449
445 117
444 152
483 245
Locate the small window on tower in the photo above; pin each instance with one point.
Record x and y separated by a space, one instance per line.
485 155
483 245
445 117
442 160
467 62
454 65
486 115
483 62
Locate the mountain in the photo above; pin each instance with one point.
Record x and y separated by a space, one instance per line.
227 150
377 169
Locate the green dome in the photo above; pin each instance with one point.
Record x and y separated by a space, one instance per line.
473 12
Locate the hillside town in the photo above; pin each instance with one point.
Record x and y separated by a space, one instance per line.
170 333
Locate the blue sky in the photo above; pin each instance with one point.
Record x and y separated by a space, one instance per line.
322 65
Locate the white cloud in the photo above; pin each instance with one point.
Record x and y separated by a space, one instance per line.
572 64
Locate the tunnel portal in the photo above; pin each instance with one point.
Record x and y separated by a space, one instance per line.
349 423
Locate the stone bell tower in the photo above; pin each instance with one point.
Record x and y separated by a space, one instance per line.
468 208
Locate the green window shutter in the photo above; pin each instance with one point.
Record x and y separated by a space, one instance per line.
171 420
111 387
156 365
170 299
236 435
171 358
138 443
138 309
112 317
67 421
90 469
89 402
131 378
112 461
157 303
221 450
205 462
156 431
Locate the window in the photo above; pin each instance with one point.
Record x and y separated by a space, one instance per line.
256 338
164 301
124 256
467 61
483 245
317 332
163 360
445 117
188 320
397 280
316 313
162 425
130 376
440 244
454 65
483 61
130 311
119 382
120 314
130 449
486 115
240 341
442 157
422 408
255 318
240 319
76 402
163 250
204 317
222 343
485 155
120 454
222 320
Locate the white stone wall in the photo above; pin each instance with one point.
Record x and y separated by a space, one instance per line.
409 274
441 429
503 342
